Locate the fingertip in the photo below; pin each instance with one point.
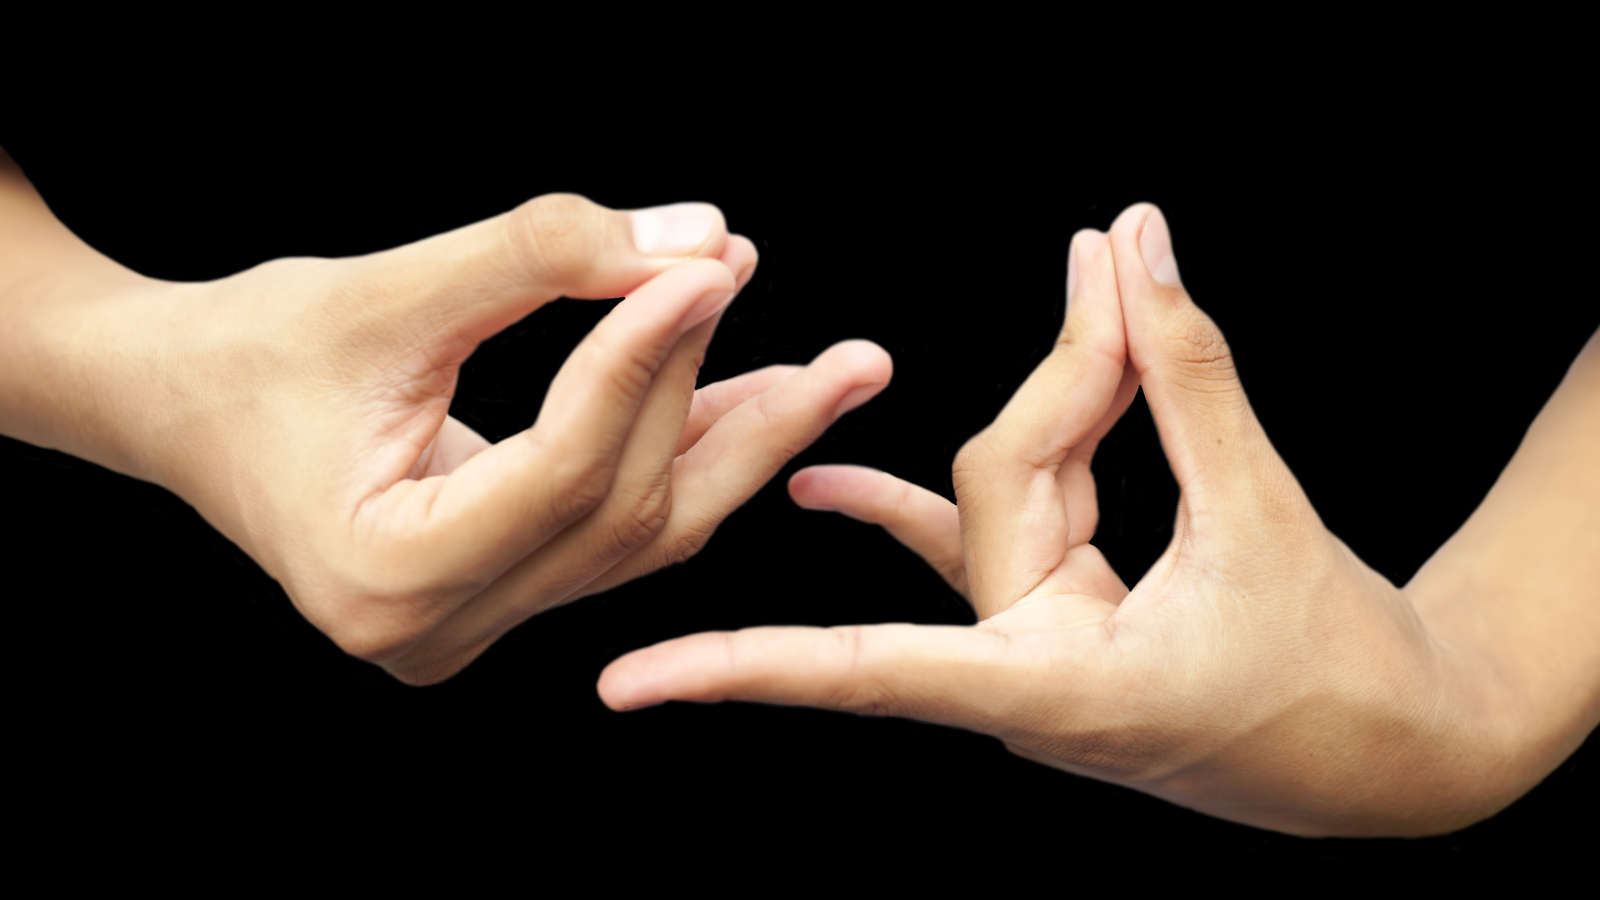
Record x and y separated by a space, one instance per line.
620 686
1155 247
867 361
705 285
803 489
741 257
1080 242
863 365
1129 222
693 275
823 488
1090 245
1144 244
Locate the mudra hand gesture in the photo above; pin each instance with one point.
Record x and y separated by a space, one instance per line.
1259 671
302 407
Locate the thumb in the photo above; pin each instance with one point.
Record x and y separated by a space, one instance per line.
477 280
1210 434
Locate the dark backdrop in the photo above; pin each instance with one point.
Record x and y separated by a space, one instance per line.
1401 296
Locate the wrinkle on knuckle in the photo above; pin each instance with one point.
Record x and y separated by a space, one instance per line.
578 500
556 238
626 367
858 691
687 541
767 417
1203 350
646 505
580 483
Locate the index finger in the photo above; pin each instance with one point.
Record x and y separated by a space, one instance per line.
1015 525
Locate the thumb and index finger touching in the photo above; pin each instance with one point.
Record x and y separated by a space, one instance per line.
478 279
459 288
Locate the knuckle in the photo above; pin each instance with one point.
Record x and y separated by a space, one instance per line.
687 542
857 691
624 364
769 418
645 507
579 498
431 673
580 481
1200 347
375 596
629 370
377 601
416 670
556 238
374 641
1080 337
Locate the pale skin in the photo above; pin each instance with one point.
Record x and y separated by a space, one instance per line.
1259 671
302 408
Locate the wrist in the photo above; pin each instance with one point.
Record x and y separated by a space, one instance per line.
1520 711
79 344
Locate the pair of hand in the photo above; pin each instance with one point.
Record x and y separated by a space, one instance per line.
1259 671
302 408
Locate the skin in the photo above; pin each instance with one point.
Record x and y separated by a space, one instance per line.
1259 671
302 408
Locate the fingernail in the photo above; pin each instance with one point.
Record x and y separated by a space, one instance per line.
818 507
856 397
677 230
706 307
1072 267
1155 245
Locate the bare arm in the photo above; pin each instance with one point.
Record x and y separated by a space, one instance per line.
61 309
302 407
1518 587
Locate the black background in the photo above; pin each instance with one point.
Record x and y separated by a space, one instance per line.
1401 294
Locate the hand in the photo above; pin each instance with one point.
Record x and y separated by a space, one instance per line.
302 408
1259 671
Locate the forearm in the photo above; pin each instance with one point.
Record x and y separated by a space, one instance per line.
66 334
1515 594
